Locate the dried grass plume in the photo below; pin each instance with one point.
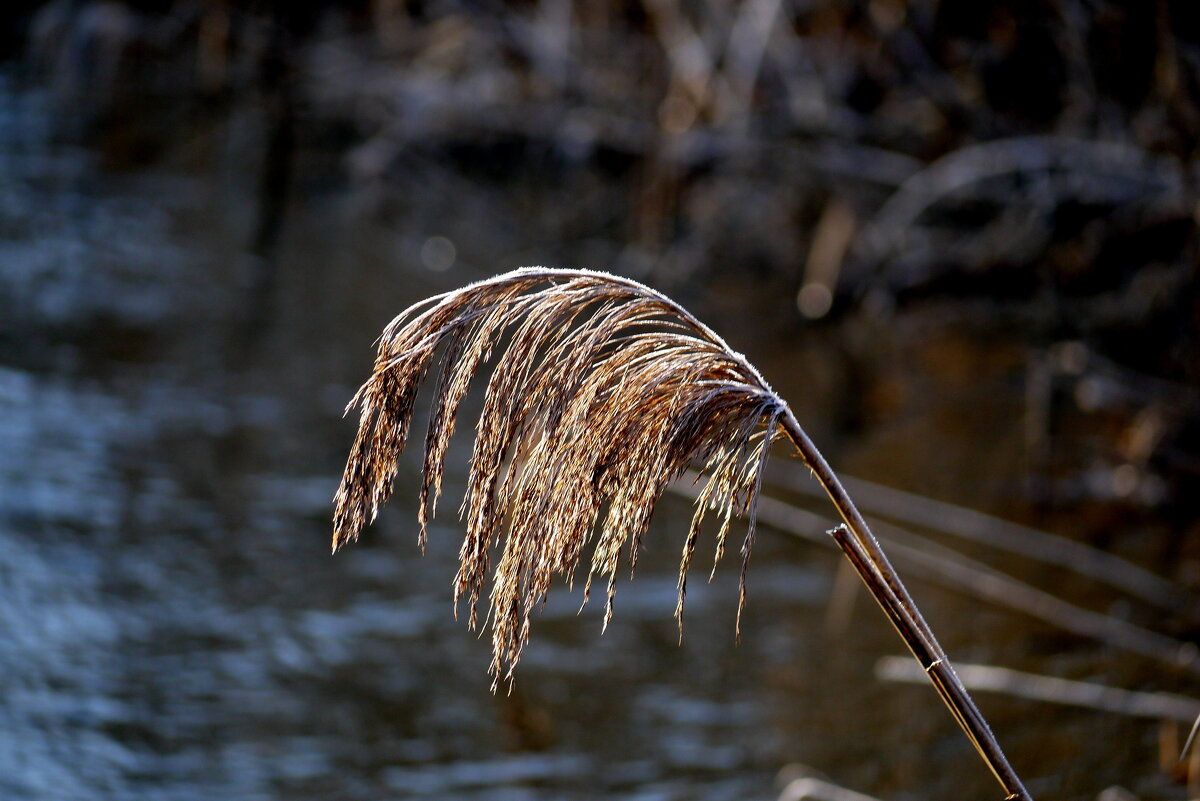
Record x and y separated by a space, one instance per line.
602 392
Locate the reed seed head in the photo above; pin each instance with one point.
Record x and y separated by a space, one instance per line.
602 392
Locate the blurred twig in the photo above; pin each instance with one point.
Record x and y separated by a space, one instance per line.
1111 167
819 790
1191 740
988 678
947 568
995 532
744 56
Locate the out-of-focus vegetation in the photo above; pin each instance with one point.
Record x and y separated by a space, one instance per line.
1028 164
960 237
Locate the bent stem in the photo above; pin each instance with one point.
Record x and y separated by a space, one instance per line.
863 550
604 385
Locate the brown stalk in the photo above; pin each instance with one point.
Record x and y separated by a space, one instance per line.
602 392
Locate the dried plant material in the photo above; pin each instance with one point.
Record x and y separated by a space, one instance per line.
602 392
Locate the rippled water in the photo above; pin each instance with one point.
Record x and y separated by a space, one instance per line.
173 626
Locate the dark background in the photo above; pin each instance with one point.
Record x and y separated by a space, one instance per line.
959 237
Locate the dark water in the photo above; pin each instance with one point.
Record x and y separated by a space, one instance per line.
173 627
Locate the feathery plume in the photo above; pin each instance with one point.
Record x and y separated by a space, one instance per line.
602 393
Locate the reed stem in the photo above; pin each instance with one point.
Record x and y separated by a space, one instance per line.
619 421
863 550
